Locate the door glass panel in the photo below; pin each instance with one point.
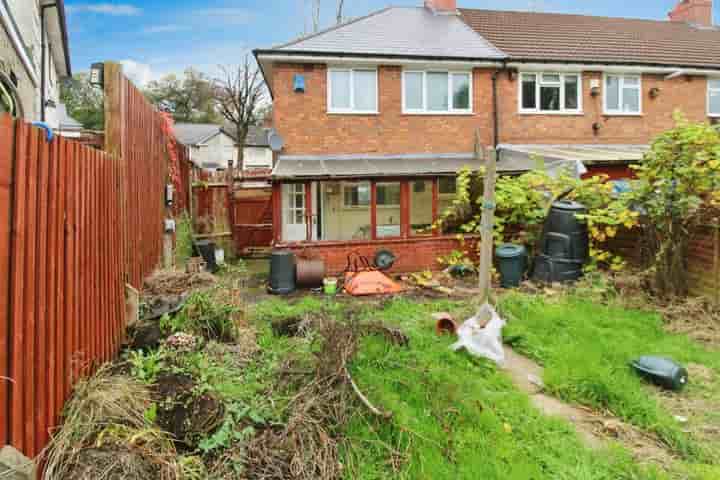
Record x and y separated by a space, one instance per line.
388 209
421 218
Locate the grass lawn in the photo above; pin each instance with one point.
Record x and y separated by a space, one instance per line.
585 349
455 416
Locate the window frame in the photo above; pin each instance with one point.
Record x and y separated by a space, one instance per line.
619 112
451 109
359 206
538 85
386 183
352 110
710 90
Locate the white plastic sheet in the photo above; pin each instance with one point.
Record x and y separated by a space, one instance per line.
482 342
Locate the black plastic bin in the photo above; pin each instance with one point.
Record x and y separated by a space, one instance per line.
206 249
282 272
512 263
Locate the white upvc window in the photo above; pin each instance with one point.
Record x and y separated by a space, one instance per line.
352 90
622 94
714 97
550 93
437 92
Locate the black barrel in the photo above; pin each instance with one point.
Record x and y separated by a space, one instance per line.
206 249
282 272
512 263
564 235
549 270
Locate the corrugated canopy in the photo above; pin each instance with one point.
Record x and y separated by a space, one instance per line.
513 159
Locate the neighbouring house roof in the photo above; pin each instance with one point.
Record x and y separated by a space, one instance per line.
533 36
349 166
256 137
397 32
195 133
65 121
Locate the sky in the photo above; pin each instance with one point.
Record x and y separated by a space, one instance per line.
157 37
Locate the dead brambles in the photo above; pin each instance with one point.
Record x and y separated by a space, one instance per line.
106 435
306 447
176 282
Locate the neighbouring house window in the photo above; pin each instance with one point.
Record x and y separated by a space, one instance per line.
622 95
388 209
437 92
550 93
714 97
447 188
356 194
421 208
255 157
352 91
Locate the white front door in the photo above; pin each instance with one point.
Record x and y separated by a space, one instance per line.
294 218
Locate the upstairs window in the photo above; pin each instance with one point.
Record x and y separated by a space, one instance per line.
432 92
352 91
714 97
623 95
550 93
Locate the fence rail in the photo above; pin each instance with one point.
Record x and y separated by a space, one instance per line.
76 225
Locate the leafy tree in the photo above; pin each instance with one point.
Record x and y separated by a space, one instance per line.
678 187
84 102
188 98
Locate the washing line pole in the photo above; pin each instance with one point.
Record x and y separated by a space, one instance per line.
487 220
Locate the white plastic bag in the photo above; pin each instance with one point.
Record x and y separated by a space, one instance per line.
482 342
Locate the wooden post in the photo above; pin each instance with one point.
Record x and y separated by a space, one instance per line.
487 221
716 260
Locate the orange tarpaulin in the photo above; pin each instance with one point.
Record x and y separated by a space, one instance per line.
363 279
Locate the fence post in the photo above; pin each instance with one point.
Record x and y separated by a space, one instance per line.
716 260
7 136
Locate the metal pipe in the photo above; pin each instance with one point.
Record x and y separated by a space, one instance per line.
43 58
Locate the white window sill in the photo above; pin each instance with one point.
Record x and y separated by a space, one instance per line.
441 114
351 112
714 115
622 114
561 114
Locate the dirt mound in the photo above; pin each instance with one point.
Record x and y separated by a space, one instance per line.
188 416
176 282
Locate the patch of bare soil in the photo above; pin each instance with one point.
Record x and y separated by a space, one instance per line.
187 415
594 428
696 318
176 282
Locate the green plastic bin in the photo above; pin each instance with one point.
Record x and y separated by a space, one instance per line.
512 263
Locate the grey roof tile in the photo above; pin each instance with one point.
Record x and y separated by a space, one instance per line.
399 31
194 133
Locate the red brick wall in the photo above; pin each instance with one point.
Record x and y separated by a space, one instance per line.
303 121
413 255
307 128
688 94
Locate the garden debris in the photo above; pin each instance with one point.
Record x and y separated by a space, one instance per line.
145 336
155 306
307 446
363 279
289 327
106 435
176 282
183 342
696 317
186 412
481 335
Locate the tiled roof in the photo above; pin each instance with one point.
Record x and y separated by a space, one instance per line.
398 31
579 38
194 133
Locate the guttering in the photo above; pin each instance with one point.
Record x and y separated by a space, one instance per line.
62 19
43 58
375 59
10 27
611 68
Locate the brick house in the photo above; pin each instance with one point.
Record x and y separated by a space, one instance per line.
379 113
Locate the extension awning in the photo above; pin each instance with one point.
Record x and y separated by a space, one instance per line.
407 165
587 154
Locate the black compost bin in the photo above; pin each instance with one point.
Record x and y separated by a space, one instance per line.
282 272
206 249
564 235
512 263
549 269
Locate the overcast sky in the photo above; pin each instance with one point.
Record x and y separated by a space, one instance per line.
155 37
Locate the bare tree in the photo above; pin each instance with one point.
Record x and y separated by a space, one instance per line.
241 96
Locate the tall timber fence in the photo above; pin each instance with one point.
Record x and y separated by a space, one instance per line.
76 225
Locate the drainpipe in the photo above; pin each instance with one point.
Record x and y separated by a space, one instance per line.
43 58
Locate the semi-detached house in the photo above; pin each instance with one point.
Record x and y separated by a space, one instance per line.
378 114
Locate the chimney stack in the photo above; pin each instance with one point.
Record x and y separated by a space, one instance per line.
698 12
441 6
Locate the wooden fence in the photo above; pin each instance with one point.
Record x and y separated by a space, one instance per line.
76 225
